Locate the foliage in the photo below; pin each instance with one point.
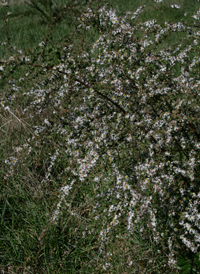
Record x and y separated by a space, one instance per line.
48 10
112 165
189 267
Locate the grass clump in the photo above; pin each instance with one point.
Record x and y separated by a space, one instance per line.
100 145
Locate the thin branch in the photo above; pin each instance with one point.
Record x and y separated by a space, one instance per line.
87 86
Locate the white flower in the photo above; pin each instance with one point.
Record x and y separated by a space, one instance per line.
47 122
5 3
175 6
195 16
41 44
146 43
129 138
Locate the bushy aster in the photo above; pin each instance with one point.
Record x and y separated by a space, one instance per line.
139 116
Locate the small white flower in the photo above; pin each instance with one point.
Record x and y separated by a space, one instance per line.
41 44
5 4
175 6
195 16
47 122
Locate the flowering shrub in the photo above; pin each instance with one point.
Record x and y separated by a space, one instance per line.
123 113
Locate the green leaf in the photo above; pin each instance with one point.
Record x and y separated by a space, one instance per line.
186 266
197 261
186 271
181 262
57 53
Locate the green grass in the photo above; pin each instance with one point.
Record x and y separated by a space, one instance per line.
29 242
27 26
